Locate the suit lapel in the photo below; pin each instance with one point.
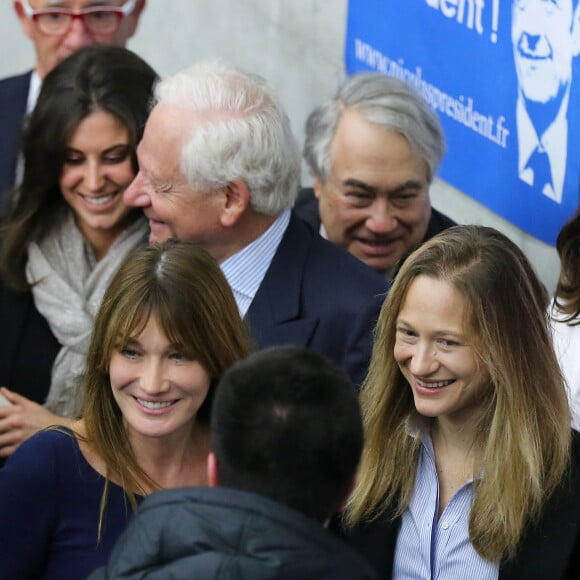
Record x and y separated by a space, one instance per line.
276 313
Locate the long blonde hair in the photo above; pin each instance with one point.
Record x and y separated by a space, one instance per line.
524 430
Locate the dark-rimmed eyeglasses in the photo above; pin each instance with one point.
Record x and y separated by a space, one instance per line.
98 20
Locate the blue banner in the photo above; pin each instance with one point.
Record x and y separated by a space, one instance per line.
504 77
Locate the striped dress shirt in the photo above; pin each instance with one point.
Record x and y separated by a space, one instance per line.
246 269
433 548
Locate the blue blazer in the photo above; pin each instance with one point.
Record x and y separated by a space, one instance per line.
13 99
317 295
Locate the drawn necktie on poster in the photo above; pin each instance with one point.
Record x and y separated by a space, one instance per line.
504 77
544 37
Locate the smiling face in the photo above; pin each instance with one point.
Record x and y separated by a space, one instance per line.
50 50
375 203
433 352
96 172
158 389
543 37
173 209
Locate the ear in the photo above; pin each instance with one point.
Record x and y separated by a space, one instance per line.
25 23
134 18
212 470
318 187
237 200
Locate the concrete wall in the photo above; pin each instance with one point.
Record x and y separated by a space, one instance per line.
297 45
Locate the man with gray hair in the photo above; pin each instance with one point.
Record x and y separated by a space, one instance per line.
219 165
373 151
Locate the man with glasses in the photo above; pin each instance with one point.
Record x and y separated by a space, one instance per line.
373 150
57 28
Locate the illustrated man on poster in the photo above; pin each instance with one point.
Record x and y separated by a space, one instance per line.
546 40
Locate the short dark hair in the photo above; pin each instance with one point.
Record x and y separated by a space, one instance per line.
286 424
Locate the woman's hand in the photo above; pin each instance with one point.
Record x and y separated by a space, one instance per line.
22 419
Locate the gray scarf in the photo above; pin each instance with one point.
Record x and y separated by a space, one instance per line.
68 288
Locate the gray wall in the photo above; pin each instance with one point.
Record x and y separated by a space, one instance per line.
297 45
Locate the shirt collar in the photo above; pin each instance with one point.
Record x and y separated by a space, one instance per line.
419 427
245 270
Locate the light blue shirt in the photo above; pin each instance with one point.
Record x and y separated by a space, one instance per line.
246 269
438 549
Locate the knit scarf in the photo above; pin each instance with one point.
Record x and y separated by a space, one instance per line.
68 288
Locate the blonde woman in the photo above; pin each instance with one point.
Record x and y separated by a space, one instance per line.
470 469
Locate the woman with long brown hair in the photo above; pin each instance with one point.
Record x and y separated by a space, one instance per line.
167 329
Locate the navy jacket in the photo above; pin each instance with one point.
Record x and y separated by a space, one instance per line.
317 295
13 99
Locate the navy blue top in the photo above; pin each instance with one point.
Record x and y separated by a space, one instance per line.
49 511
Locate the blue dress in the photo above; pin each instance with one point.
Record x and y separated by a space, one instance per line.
49 511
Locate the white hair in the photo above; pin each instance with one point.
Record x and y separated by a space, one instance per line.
245 134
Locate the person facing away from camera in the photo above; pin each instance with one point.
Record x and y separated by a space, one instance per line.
67 232
286 437
470 468
167 329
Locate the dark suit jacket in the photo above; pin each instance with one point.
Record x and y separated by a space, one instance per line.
317 295
306 207
27 346
548 551
13 98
